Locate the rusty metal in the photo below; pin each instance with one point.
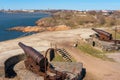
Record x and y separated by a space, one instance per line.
35 55
38 64
103 35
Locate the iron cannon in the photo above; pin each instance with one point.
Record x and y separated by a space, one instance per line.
39 64
103 35
36 56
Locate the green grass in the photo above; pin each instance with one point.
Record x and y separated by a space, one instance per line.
86 48
58 58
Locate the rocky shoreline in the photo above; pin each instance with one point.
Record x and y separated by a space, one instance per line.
39 29
44 24
72 19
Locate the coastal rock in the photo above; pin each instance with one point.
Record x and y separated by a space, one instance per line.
27 29
39 29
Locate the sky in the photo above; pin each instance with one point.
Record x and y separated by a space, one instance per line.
61 4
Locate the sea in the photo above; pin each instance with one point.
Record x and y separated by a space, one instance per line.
9 20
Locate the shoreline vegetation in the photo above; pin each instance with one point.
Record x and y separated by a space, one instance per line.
70 19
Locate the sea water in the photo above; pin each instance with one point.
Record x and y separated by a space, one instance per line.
9 20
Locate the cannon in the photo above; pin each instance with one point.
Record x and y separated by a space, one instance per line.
103 35
33 55
39 64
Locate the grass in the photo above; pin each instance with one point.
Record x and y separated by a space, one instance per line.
73 59
58 58
117 35
87 48
113 34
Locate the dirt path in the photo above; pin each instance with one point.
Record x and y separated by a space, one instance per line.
96 69
115 56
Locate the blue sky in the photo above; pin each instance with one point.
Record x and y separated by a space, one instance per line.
61 4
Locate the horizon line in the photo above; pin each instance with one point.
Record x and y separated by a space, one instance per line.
64 9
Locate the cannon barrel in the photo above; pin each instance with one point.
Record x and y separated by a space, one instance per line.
103 35
35 55
102 32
